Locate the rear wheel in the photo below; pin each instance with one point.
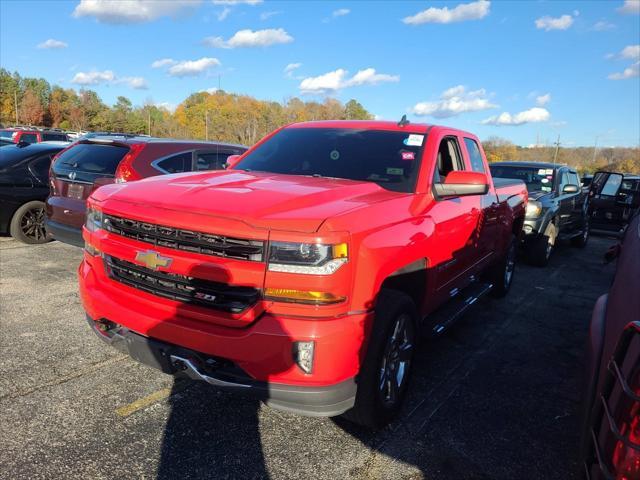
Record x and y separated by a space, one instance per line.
501 274
27 224
384 376
542 248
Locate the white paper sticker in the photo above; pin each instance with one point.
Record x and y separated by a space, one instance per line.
541 171
549 171
414 140
544 180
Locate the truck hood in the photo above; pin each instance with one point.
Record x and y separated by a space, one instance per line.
538 195
262 200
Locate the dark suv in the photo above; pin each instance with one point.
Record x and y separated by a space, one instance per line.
557 207
24 186
613 199
90 163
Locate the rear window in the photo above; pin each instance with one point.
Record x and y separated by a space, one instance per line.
8 134
389 158
60 137
211 161
91 158
29 138
177 163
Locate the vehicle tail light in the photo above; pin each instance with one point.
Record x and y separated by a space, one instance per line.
125 171
626 455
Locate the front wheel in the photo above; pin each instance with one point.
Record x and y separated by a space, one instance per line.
542 248
384 376
27 224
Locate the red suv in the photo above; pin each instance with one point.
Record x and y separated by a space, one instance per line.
84 166
17 135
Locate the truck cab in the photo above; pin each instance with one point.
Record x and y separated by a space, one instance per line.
304 274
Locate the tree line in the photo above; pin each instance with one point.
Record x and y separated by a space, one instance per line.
219 115
584 159
238 119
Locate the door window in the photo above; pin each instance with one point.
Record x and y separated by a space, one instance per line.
177 163
477 165
564 180
612 185
29 138
211 160
448 160
573 179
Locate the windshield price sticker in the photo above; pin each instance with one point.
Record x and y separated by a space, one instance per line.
395 171
414 140
541 171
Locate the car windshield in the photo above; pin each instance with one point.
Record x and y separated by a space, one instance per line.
536 179
389 158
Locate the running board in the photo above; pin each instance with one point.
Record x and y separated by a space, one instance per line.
454 308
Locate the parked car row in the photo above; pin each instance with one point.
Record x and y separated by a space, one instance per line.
31 135
64 174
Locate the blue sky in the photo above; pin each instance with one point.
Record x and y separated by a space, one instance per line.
522 70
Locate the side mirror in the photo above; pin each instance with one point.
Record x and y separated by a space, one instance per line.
232 161
570 188
462 183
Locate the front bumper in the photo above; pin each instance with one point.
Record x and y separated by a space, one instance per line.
262 350
325 401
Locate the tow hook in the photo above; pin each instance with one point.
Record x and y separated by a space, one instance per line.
179 364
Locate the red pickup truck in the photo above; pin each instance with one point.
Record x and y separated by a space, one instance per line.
305 274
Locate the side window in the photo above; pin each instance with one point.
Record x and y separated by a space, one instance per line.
448 160
177 163
573 179
211 160
564 180
611 186
40 168
29 138
54 136
477 165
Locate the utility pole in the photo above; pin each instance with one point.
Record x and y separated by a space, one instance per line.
557 144
15 103
206 125
149 120
595 149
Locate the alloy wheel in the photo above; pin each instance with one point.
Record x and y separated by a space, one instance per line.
32 224
396 360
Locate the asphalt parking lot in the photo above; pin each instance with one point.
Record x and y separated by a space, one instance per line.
497 397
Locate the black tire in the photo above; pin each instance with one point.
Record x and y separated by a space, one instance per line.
27 224
542 248
375 405
581 240
501 274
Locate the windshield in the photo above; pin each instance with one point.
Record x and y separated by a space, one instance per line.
390 159
536 179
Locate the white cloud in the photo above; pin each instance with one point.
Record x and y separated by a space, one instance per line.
191 68
51 43
236 2
542 100
250 38
163 62
341 12
289 69
464 11
210 91
629 72
224 13
167 106
455 101
267 15
533 115
137 83
548 23
331 82
132 11
630 7
632 52
603 25
95 77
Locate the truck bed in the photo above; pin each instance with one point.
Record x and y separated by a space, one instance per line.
510 190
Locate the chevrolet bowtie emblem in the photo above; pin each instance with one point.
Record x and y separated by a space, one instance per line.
153 260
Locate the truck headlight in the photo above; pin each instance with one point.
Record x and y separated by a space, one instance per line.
307 258
534 209
94 220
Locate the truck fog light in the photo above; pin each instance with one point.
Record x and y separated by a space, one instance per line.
303 355
527 229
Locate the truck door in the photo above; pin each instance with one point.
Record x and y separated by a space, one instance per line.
566 200
488 221
606 207
455 224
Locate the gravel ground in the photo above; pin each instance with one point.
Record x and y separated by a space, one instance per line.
497 397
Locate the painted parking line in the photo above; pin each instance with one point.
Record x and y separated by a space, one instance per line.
152 398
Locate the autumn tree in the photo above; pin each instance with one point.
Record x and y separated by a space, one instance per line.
355 111
31 109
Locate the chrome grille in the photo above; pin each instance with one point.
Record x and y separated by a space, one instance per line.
181 288
187 240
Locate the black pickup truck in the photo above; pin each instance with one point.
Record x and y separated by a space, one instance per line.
557 207
613 199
